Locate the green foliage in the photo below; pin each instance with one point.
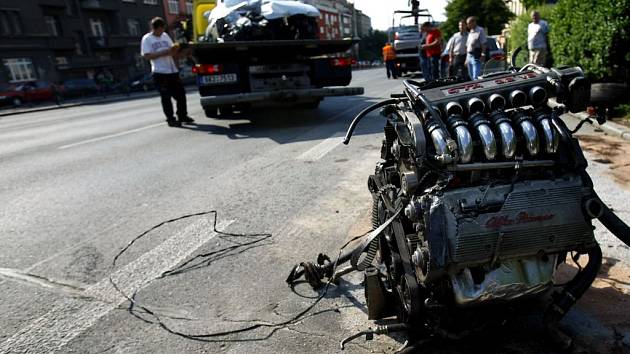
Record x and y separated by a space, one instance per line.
623 111
594 34
518 32
531 4
371 46
491 14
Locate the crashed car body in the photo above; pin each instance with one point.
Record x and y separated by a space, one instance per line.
261 20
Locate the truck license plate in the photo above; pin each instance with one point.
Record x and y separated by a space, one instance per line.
218 79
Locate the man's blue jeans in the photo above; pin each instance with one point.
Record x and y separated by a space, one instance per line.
474 66
435 67
425 66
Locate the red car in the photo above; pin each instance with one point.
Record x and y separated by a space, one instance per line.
32 91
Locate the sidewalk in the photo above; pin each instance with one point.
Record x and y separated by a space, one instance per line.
85 101
610 128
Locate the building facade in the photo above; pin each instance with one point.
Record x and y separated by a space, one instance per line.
364 24
177 10
340 19
55 40
516 6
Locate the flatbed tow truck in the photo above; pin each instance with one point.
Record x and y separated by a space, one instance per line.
236 75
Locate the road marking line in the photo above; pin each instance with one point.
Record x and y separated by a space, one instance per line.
110 136
67 320
320 150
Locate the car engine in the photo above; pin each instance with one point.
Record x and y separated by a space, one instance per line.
481 194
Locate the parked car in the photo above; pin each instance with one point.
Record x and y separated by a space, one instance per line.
32 91
142 82
406 45
80 87
497 59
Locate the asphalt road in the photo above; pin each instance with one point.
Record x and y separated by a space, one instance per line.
78 184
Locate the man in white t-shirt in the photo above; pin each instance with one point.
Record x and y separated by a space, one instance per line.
158 47
537 32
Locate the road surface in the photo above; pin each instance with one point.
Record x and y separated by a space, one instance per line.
78 184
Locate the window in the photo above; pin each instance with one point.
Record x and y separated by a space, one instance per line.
10 23
61 60
20 69
98 29
133 26
189 7
51 26
79 43
173 7
151 2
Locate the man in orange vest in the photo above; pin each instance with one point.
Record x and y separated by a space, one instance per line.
389 56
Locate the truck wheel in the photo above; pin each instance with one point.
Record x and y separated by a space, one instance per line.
211 112
226 111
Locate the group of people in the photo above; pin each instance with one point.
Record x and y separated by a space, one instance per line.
464 54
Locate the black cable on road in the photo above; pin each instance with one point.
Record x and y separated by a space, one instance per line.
191 265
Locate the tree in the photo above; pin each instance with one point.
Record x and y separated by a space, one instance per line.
491 14
530 4
371 46
593 34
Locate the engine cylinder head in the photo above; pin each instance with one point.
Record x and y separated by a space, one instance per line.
476 105
496 102
538 95
518 98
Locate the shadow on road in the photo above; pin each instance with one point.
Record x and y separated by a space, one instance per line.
284 125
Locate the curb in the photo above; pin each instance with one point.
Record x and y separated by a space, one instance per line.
610 128
76 104
85 103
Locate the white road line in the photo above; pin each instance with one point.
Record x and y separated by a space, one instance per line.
65 321
88 141
320 150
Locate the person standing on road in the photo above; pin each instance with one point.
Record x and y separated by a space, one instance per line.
425 65
456 49
433 49
158 47
475 47
537 32
389 57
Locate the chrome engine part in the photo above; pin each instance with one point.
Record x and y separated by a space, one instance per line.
489 207
481 194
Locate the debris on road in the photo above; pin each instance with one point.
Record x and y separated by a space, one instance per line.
610 151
